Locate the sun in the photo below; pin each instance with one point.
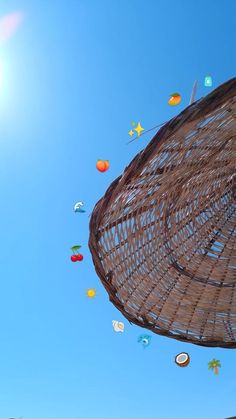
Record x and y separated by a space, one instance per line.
91 293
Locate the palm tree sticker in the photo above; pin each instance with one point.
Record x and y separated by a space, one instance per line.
214 366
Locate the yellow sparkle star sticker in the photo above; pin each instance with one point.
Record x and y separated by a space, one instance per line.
139 129
131 132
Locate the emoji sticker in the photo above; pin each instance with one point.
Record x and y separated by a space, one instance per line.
138 129
76 257
102 165
91 293
182 359
78 205
208 81
175 99
145 340
118 326
214 366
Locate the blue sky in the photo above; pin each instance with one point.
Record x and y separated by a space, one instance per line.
75 77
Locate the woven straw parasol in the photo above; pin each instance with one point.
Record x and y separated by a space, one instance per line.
163 236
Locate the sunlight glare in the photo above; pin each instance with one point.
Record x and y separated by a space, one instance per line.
1 76
9 24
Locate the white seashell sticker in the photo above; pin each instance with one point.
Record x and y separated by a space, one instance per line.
118 326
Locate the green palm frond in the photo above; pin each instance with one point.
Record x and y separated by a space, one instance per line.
213 364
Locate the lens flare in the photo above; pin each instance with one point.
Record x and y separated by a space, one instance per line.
9 24
1 75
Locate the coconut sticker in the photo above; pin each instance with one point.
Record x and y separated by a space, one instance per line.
182 359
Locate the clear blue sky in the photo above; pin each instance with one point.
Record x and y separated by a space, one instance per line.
77 74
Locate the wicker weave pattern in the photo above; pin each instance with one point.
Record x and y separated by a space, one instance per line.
163 236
